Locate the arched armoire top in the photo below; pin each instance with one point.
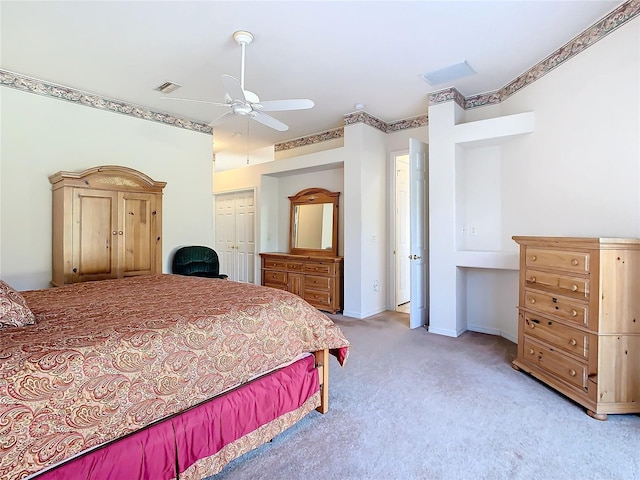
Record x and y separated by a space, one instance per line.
107 177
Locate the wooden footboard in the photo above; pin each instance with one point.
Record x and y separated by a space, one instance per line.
322 364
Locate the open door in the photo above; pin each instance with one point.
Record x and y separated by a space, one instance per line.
419 236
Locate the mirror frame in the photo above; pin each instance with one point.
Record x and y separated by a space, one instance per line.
311 196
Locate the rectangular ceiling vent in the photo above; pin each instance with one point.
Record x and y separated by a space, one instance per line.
167 87
448 74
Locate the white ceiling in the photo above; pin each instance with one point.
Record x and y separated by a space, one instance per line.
336 53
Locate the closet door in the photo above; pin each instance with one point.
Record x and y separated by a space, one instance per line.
95 235
245 237
235 235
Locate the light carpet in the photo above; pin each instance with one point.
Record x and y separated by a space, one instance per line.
414 405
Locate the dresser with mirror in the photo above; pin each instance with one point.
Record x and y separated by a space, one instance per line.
312 268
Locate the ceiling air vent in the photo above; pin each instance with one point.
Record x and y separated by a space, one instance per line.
448 74
167 87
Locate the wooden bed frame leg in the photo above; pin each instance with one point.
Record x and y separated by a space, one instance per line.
322 364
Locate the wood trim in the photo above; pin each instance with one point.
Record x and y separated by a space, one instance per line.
322 364
312 196
107 177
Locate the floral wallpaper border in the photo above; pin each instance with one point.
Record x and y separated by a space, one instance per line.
350 119
31 85
618 17
310 139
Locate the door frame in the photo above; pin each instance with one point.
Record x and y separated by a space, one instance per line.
391 221
256 239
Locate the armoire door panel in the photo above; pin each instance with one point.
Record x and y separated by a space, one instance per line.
95 255
137 239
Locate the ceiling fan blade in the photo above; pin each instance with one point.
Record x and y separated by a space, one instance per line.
280 105
218 120
269 121
233 88
196 101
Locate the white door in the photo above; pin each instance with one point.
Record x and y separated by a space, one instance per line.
235 235
245 238
419 236
225 226
402 247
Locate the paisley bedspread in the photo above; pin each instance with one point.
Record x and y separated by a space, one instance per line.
108 358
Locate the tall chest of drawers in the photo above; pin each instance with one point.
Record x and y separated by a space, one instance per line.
579 319
317 279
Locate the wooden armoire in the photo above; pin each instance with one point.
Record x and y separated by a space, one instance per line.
107 223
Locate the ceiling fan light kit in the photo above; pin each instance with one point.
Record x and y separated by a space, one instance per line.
245 102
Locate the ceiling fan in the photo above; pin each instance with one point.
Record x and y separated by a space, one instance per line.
247 103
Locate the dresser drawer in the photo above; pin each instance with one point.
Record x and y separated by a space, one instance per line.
569 261
295 266
321 268
274 263
317 298
564 285
317 283
274 277
560 307
557 335
560 365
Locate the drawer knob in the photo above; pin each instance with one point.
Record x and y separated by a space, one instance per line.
532 300
574 262
573 342
532 325
574 313
533 280
533 258
574 288
531 352
572 372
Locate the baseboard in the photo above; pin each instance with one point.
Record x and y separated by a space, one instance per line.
360 315
445 331
482 329
492 331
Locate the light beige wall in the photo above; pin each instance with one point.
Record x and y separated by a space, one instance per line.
577 173
42 135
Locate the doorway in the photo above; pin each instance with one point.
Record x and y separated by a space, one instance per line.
402 234
235 234
409 236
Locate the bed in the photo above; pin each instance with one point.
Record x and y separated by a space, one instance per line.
157 376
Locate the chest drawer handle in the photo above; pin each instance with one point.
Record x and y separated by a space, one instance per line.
573 342
574 288
572 372
533 280
532 325
531 352
533 258
574 262
532 300
574 313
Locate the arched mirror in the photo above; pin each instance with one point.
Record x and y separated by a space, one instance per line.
314 222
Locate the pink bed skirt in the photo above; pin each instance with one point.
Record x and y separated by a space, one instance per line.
168 448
